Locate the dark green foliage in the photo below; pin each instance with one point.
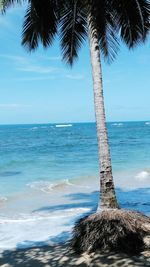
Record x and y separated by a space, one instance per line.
133 20
73 29
113 230
40 24
4 4
104 21
111 20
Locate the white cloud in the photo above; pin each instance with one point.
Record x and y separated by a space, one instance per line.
51 58
54 58
24 64
13 106
121 107
15 59
36 78
37 69
29 65
5 23
74 76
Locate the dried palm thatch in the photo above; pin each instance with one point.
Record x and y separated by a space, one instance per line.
116 230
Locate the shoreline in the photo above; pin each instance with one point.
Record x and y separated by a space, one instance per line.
52 222
63 256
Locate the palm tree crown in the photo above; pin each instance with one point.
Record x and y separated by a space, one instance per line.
112 19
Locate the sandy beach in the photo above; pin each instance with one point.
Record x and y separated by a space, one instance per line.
63 256
49 187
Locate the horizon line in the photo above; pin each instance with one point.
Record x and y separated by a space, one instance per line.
76 122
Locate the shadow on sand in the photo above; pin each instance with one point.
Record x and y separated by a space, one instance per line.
127 199
77 200
62 255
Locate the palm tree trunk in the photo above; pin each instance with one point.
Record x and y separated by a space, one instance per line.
107 190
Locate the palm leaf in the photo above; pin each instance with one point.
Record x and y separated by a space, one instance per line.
40 24
73 29
133 20
103 20
4 4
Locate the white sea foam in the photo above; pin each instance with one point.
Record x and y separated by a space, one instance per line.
3 199
47 187
147 123
117 124
63 125
22 218
64 183
142 176
41 185
33 128
27 230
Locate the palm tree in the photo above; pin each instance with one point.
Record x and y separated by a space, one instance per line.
104 23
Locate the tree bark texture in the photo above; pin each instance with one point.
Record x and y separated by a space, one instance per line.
107 190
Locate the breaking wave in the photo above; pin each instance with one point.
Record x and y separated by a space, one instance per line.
33 128
117 124
3 199
63 125
29 230
46 186
142 176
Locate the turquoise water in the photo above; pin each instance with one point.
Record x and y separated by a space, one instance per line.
50 171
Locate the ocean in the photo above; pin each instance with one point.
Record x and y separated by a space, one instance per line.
49 177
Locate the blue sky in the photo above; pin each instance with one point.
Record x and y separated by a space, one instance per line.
39 88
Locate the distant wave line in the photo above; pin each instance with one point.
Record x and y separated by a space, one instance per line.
63 125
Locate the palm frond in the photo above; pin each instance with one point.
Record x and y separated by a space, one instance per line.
40 24
73 29
5 4
104 22
133 20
